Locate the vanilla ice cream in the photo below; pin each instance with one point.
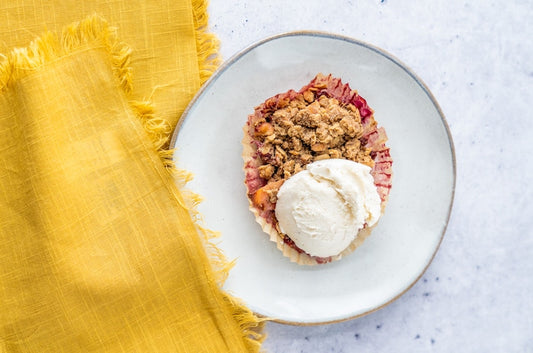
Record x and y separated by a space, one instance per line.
323 207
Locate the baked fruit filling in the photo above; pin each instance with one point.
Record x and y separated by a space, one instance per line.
326 119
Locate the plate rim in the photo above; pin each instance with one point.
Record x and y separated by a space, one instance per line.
323 34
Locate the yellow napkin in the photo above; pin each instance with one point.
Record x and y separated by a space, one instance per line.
99 249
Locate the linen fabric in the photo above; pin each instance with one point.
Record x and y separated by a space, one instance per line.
100 250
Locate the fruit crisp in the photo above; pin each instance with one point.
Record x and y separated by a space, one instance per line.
325 119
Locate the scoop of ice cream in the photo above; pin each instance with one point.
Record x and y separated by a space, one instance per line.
323 207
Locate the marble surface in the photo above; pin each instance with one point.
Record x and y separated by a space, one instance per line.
476 58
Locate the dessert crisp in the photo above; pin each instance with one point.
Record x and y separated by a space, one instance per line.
325 120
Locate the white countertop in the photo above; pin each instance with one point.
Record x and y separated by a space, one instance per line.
476 58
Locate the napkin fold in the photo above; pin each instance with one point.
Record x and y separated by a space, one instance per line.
101 249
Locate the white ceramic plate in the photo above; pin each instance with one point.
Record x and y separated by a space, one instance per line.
394 257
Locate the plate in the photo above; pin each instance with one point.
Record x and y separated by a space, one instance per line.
394 257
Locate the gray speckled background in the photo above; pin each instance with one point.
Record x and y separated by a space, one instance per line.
477 59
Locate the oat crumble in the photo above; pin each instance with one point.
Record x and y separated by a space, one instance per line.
305 130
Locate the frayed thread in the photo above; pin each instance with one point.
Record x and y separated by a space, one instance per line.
251 326
158 129
207 44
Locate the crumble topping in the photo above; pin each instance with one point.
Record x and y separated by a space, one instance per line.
304 130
